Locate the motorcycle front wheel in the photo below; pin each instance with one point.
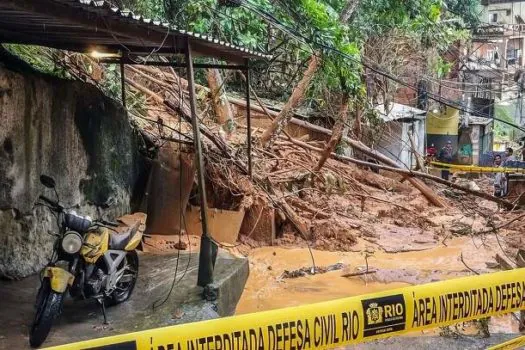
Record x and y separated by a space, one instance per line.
125 286
48 307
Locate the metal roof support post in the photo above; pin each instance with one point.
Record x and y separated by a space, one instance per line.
206 263
123 84
248 118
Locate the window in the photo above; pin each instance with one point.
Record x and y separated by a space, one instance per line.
494 17
508 12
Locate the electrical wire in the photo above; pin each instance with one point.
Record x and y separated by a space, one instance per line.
298 35
432 96
182 219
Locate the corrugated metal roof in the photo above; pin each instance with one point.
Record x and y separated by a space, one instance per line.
399 112
472 120
86 25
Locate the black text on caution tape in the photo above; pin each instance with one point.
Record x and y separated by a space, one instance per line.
467 304
322 331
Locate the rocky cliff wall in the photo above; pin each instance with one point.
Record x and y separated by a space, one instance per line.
72 132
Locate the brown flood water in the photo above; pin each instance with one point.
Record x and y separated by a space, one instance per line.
266 291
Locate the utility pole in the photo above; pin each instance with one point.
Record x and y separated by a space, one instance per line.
208 251
464 97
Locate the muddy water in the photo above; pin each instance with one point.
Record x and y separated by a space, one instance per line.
265 289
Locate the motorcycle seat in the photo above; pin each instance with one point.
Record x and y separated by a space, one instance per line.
118 241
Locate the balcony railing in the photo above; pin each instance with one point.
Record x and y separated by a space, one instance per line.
500 29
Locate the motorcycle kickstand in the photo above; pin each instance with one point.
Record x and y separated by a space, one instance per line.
101 303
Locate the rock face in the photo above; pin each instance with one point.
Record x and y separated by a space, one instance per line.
70 131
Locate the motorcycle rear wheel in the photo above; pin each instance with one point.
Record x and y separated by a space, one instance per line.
123 290
49 304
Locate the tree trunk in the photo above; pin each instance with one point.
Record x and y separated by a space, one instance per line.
221 105
358 130
261 104
421 186
348 10
411 175
337 132
276 127
419 162
341 128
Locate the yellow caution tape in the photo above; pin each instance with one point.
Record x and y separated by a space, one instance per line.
339 322
479 169
512 344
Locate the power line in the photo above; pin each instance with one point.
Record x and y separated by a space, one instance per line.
270 18
296 15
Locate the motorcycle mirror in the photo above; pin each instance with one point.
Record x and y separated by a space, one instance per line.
47 181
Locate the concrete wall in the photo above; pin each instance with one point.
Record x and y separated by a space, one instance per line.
72 132
395 142
443 123
506 12
391 141
442 127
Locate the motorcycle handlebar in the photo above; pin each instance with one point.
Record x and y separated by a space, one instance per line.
51 202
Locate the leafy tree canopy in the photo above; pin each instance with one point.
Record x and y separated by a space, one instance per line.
317 27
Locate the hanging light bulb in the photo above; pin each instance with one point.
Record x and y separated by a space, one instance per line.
98 54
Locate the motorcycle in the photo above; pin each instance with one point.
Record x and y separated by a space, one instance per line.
90 259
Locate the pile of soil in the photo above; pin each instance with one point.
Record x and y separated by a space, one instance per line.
331 209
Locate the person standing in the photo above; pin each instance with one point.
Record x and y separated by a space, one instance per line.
500 180
446 156
431 154
509 157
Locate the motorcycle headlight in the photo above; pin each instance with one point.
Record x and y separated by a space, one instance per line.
71 243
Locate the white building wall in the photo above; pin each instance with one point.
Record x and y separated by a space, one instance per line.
390 141
503 13
395 142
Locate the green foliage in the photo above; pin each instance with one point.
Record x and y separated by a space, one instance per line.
381 16
503 131
318 21
467 10
147 8
41 58
442 68
111 84
235 25
321 24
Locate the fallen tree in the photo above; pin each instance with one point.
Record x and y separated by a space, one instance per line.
337 132
390 165
284 117
411 175
221 105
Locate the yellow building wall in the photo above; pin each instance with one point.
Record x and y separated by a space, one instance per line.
444 123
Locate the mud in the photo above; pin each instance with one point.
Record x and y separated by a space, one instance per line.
435 261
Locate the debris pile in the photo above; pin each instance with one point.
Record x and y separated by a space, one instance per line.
329 208
304 271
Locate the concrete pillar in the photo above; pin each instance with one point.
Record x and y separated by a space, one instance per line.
522 46
502 51
474 138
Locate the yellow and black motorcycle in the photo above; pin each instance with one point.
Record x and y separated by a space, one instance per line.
90 260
